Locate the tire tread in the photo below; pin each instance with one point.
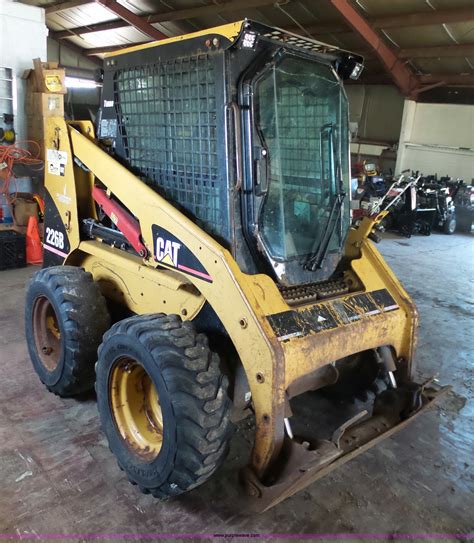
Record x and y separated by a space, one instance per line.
198 393
80 302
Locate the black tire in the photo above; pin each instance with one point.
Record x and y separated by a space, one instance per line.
359 379
449 227
192 392
375 389
68 297
388 223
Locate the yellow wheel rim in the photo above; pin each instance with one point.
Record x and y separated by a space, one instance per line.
136 408
46 333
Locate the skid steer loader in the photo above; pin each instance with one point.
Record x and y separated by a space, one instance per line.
207 216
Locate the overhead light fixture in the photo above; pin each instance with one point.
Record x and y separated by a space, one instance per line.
249 40
80 83
357 70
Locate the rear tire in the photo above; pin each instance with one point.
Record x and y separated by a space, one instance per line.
65 319
163 403
449 227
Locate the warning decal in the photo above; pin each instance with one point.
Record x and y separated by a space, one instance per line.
331 314
56 161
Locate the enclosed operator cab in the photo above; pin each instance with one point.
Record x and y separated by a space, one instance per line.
243 107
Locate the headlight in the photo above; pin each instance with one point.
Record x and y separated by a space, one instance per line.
249 40
356 71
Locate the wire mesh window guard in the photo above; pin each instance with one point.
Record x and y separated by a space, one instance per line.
167 122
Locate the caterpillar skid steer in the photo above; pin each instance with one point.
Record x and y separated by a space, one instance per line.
206 216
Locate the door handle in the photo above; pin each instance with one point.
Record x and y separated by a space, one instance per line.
234 109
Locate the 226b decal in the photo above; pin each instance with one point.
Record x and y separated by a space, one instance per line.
54 238
172 252
56 243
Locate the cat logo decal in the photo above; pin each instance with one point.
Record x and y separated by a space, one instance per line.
166 251
171 252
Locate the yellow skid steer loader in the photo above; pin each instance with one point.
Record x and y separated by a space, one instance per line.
207 216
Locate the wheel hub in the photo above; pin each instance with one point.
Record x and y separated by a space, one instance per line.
46 333
136 408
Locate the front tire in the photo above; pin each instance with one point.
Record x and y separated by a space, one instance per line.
163 403
65 319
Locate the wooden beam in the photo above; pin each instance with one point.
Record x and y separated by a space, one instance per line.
443 51
132 19
403 77
62 6
174 15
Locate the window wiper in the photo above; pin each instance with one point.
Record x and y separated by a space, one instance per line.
316 259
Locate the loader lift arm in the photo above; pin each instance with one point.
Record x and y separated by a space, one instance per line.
245 323
245 329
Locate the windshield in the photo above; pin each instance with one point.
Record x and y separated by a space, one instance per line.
302 119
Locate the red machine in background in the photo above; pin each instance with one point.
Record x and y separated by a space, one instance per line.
371 187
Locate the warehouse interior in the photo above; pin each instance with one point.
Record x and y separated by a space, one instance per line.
281 188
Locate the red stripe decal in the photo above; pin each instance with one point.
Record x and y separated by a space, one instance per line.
195 272
55 251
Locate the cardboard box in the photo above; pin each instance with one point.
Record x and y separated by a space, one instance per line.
35 131
23 210
41 104
20 229
45 78
36 122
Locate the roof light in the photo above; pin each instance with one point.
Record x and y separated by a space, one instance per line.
357 70
249 40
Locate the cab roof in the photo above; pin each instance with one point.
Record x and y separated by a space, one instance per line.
232 32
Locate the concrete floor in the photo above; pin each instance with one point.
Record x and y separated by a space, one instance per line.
58 476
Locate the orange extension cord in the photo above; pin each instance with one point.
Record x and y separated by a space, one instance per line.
9 156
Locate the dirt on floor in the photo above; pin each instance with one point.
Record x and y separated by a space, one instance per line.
58 476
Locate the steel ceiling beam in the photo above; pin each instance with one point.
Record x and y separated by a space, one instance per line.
403 77
169 16
96 27
443 51
448 79
62 6
110 48
79 50
132 19
427 81
424 18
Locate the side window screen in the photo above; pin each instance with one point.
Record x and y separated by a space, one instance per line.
167 121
